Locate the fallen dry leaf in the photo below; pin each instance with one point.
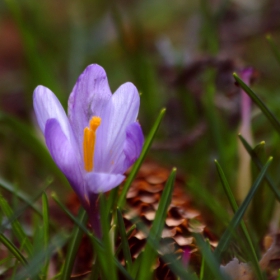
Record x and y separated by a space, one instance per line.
237 270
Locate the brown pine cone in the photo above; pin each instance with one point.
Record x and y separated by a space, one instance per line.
182 219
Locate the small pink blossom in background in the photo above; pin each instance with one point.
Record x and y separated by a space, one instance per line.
244 179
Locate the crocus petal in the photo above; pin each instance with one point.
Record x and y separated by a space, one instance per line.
132 148
89 95
102 182
133 143
47 106
64 155
121 110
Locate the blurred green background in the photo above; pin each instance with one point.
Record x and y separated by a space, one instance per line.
179 54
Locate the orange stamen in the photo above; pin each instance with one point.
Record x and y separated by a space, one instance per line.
89 142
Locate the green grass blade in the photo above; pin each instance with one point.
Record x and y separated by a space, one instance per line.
128 233
214 121
202 268
122 270
210 259
70 215
259 164
273 120
46 227
73 246
100 264
6 260
35 264
9 263
112 200
139 161
274 48
234 206
136 265
38 239
102 261
159 221
259 149
260 217
124 241
46 218
21 210
24 197
208 199
13 249
226 237
16 226
108 246
226 187
154 237
178 268
95 271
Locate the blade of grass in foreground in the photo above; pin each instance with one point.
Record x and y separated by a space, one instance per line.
16 226
226 237
112 200
154 237
20 210
73 246
124 241
234 206
13 249
259 164
107 258
102 251
72 217
208 199
139 161
274 48
209 257
46 220
128 233
273 120
24 197
260 217
35 264
202 268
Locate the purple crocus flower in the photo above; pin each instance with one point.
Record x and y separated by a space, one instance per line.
98 141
